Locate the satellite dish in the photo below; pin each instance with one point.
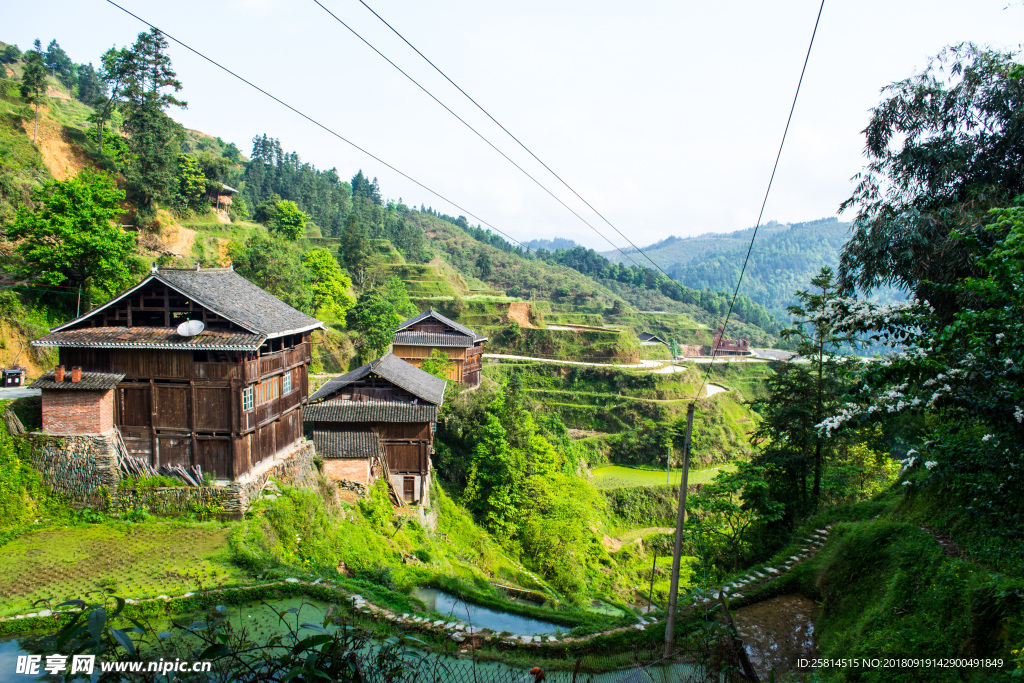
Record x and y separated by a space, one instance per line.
191 328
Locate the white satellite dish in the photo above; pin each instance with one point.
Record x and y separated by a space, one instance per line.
191 328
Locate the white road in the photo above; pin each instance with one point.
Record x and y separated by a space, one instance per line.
641 364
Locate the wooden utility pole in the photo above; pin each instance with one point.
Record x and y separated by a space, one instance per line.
677 551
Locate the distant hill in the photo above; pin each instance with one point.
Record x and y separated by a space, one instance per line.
551 245
784 259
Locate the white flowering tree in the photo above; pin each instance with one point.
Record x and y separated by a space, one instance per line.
961 374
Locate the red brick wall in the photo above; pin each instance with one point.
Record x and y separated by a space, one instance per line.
78 412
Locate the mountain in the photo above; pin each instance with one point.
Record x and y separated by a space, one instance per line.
552 244
784 259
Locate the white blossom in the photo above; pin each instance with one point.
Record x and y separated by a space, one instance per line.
907 483
987 437
1019 414
931 464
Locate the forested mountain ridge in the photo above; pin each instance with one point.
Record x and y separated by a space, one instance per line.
784 259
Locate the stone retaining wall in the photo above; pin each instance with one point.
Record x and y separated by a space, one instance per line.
85 470
77 467
294 468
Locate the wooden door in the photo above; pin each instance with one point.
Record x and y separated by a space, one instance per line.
409 489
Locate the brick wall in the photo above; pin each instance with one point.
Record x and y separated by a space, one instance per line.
78 412
348 469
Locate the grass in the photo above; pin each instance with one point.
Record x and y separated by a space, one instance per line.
616 476
136 561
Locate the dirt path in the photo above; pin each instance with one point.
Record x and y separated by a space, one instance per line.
641 364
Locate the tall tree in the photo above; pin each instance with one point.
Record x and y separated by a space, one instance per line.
942 148
90 88
354 249
33 85
70 237
60 65
116 66
152 135
376 321
328 284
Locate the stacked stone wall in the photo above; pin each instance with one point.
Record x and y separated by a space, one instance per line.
79 467
296 469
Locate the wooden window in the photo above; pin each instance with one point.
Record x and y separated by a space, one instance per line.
247 398
286 383
267 392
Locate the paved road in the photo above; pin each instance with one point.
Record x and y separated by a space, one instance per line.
18 392
641 364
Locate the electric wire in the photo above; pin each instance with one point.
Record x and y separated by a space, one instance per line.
760 215
318 124
519 142
478 133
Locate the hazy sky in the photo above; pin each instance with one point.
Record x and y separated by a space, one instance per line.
665 116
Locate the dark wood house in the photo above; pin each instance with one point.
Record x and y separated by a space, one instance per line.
387 404
648 339
226 398
418 336
721 346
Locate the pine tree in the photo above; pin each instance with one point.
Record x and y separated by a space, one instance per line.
33 84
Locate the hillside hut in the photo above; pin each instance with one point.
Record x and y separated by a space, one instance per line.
225 395
416 338
386 406
648 339
728 347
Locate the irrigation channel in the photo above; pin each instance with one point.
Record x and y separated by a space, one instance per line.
260 622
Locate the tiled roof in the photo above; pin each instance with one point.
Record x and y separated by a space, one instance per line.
335 444
432 339
230 296
369 411
395 370
150 338
90 381
431 313
648 337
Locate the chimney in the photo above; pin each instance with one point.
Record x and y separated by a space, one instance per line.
76 373
58 373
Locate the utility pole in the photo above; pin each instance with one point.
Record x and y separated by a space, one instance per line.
677 551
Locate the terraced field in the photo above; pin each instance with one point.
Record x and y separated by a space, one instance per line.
616 476
133 561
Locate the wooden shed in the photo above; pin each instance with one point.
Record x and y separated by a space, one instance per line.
226 398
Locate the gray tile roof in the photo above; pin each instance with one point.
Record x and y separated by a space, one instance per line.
431 313
232 296
395 370
150 338
432 339
648 337
369 411
337 444
90 381
229 295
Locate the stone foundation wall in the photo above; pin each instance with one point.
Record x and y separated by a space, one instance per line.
77 467
85 470
296 469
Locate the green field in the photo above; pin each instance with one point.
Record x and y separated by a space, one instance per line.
133 561
615 476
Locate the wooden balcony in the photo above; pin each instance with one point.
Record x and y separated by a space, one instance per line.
274 363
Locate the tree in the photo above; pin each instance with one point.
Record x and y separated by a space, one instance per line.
10 54
483 265
943 148
90 88
33 85
70 236
354 250
60 65
148 86
287 221
275 265
438 364
328 284
116 66
393 290
191 184
376 320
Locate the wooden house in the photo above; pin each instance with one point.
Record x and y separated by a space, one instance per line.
721 346
226 399
418 336
388 406
648 339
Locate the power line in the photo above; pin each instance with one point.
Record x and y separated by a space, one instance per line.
520 143
739 281
476 132
318 124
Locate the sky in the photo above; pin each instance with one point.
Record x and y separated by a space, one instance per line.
665 116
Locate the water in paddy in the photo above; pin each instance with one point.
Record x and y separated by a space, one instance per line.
475 615
777 632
